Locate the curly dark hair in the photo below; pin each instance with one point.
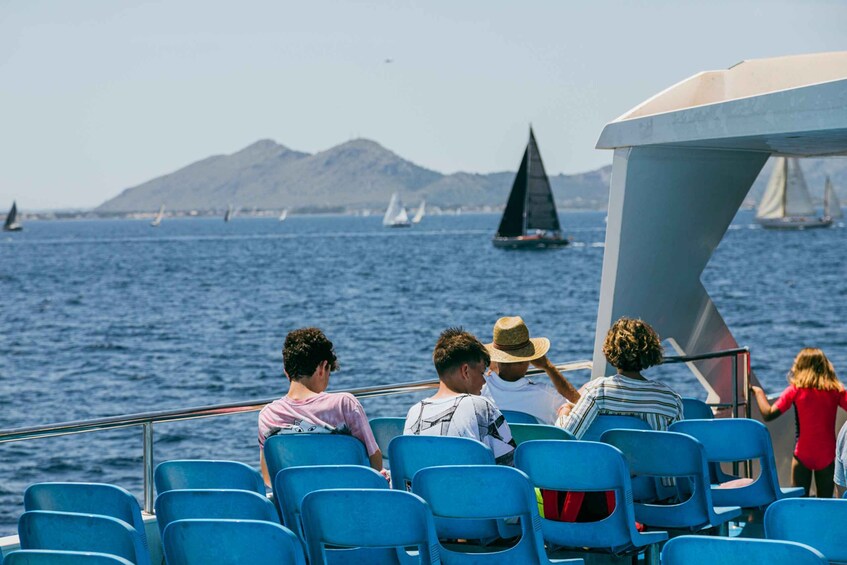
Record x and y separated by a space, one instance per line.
632 345
304 350
456 346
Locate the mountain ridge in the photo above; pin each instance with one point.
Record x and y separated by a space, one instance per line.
361 174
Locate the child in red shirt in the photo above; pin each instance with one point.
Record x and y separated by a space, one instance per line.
816 394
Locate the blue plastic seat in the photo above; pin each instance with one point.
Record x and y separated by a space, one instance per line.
528 432
384 430
586 466
709 550
605 422
55 557
70 531
818 522
694 409
300 450
207 474
667 454
87 498
517 417
230 542
294 483
739 439
409 454
486 492
211 504
362 518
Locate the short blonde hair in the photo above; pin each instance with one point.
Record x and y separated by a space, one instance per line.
812 369
632 345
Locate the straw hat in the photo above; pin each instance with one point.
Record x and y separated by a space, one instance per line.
512 343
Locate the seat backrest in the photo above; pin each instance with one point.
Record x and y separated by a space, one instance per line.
207 474
668 454
485 492
87 498
605 422
213 504
708 550
527 432
384 430
409 454
818 522
737 439
300 450
294 483
517 417
694 409
56 557
365 519
70 531
189 542
607 471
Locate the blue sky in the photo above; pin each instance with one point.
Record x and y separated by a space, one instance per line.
97 96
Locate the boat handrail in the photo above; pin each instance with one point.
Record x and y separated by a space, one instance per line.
147 419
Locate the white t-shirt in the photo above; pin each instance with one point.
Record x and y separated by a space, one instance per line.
464 415
540 399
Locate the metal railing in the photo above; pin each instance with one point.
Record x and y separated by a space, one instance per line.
147 419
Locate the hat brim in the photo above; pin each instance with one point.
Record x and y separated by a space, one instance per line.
537 348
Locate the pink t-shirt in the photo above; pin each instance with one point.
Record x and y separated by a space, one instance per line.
340 410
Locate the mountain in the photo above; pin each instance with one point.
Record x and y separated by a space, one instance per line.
362 174
354 175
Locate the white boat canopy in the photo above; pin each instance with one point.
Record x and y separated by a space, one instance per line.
684 161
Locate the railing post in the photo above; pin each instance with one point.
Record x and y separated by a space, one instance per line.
735 401
148 466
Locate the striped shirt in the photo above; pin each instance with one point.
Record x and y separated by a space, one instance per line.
652 401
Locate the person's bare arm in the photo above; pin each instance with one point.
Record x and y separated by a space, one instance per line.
376 460
563 385
264 466
768 412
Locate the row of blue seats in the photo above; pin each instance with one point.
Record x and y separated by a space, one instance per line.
368 517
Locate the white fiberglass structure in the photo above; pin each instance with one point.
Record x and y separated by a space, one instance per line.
684 161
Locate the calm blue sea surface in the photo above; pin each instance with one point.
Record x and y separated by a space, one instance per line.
102 318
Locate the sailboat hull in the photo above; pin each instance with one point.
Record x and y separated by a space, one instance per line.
13 227
400 225
794 223
529 242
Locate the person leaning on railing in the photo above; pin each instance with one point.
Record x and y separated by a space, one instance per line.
308 359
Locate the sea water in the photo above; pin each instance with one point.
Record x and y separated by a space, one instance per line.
108 317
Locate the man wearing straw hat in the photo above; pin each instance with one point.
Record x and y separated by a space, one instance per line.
512 352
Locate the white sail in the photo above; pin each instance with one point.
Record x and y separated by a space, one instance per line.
798 202
283 215
158 219
773 201
420 213
831 205
786 194
395 215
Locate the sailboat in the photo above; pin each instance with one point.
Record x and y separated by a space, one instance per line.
158 219
831 206
283 215
395 215
530 220
12 223
230 212
420 213
786 203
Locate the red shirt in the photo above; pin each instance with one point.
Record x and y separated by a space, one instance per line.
814 415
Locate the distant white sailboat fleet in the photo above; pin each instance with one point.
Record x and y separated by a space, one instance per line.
787 203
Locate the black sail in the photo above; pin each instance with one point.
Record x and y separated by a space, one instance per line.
540 210
13 215
512 224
